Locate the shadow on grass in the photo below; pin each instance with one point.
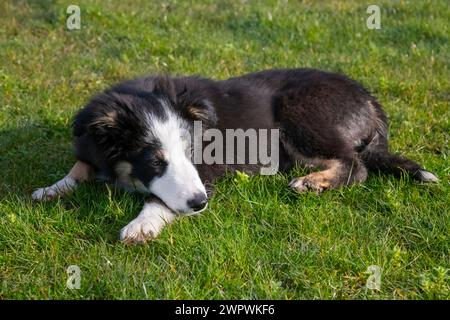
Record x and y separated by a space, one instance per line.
31 155
37 155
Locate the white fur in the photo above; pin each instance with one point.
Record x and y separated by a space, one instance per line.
60 188
427 176
148 224
180 182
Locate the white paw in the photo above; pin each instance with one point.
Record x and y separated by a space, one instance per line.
148 224
140 230
58 189
298 184
44 194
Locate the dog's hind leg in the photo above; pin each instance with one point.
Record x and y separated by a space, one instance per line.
80 172
336 173
148 224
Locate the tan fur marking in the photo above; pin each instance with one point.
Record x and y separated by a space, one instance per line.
195 112
123 170
379 124
160 155
108 118
318 181
80 172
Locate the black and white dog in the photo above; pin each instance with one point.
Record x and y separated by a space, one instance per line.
138 135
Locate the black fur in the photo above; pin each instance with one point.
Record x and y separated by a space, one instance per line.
321 116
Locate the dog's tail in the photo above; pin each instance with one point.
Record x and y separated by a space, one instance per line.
396 165
376 156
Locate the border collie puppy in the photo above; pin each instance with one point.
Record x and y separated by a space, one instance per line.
138 135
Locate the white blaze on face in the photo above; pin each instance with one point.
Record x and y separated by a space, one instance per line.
180 182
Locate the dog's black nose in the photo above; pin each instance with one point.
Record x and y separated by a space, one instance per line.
198 202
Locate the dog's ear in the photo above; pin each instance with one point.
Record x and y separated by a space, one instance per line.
114 129
196 107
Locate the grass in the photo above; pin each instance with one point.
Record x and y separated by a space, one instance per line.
258 240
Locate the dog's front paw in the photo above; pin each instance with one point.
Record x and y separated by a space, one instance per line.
148 224
44 194
140 230
59 189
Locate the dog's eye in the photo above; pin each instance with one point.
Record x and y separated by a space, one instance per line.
157 163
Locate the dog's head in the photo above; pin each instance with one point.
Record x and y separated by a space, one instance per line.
143 140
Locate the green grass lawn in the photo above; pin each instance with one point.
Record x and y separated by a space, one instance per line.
257 240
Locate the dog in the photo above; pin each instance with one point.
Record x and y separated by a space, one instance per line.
138 135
